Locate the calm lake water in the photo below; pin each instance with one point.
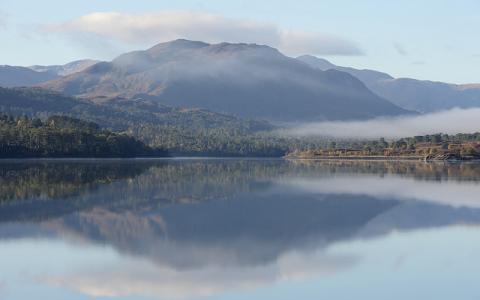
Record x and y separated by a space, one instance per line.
239 229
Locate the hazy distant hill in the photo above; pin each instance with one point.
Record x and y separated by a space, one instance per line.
366 76
67 69
14 76
427 96
118 114
411 94
242 79
11 76
182 131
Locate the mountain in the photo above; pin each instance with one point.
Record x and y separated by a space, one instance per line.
419 95
366 76
12 76
427 96
67 69
118 113
181 131
247 80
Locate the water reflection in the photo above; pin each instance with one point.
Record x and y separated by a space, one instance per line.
191 228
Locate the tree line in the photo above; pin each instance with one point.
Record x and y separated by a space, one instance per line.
180 131
442 146
62 136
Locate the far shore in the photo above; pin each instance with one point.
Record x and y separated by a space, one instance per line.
4 159
385 158
286 157
393 158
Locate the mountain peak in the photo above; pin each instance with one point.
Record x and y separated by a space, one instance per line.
224 47
179 44
247 80
67 69
241 47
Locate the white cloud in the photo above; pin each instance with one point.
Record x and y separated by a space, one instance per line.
449 122
151 28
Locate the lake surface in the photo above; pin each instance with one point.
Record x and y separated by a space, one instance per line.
239 229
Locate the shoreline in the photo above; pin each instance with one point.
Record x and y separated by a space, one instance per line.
92 159
286 158
386 158
363 158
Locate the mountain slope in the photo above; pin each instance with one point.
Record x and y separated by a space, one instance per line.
11 76
366 76
419 95
67 69
242 79
181 131
427 96
14 76
119 114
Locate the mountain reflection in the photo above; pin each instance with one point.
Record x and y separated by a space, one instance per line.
187 215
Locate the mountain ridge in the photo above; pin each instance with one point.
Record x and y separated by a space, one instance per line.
15 76
412 94
247 80
66 69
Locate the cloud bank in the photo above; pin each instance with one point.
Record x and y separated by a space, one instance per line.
449 122
152 28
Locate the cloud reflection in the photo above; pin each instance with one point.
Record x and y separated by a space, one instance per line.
452 193
137 277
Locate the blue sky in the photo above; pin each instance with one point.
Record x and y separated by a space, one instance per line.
436 40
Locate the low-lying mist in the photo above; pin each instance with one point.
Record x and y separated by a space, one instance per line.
449 122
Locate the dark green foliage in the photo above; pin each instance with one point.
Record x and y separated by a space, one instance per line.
119 114
181 131
441 140
61 136
431 147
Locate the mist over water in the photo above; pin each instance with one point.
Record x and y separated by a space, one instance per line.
449 122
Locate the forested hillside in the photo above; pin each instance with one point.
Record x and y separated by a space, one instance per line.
180 131
61 136
120 114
